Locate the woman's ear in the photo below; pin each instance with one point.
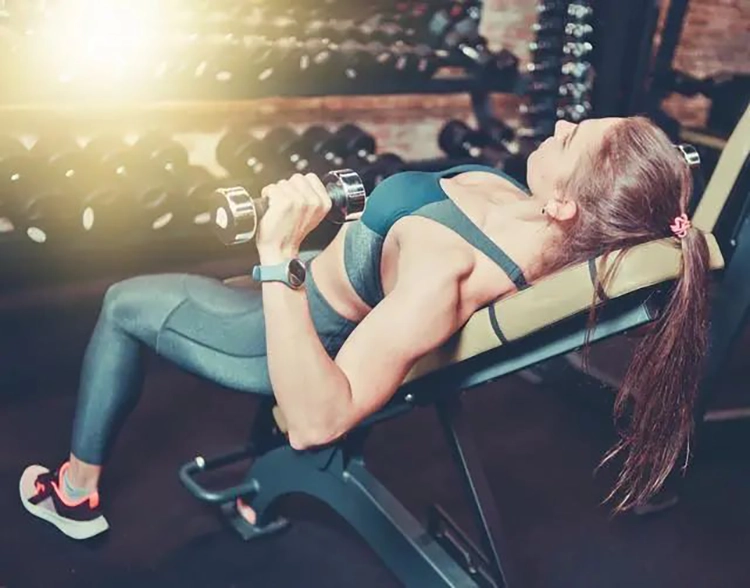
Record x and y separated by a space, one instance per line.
561 210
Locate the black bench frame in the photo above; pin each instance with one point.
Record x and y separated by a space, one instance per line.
441 555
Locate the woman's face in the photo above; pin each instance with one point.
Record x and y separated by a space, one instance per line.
554 161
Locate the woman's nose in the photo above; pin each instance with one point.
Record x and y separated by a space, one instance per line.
561 126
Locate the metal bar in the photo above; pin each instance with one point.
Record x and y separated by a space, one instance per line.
458 434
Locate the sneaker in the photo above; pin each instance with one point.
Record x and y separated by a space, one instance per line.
41 496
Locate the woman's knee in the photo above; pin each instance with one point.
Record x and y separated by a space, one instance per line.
142 299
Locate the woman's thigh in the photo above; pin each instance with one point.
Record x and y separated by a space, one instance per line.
200 324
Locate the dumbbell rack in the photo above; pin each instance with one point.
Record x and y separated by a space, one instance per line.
462 72
265 51
560 72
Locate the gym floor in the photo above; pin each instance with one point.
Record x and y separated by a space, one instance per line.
540 445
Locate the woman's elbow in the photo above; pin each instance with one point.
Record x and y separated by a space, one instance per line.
306 438
317 431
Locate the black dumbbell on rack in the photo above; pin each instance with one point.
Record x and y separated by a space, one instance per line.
197 188
150 189
159 151
37 185
577 49
457 139
290 151
353 147
456 28
580 11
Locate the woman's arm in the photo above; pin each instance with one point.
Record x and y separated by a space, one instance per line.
322 398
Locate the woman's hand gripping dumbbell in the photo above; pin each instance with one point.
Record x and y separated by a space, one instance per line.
290 209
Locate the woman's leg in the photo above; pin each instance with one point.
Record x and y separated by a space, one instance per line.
200 324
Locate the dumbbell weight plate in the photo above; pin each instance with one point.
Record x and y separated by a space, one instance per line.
457 139
236 215
161 151
350 139
374 172
105 212
347 194
198 186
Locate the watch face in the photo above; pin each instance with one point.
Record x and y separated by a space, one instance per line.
297 272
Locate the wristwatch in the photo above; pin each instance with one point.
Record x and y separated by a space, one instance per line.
292 273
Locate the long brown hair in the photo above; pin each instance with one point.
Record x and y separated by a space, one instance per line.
629 191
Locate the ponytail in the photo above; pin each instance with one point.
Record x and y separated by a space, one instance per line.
654 407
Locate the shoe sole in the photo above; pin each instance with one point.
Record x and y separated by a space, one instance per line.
73 529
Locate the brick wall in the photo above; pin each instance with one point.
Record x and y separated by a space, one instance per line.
715 39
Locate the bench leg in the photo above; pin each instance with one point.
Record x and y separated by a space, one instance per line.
345 485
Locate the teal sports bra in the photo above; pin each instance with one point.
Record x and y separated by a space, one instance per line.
414 193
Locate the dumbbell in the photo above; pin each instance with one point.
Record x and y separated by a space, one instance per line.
198 186
574 90
457 28
95 206
40 208
350 140
288 150
237 214
245 156
64 160
358 149
576 69
157 150
574 112
374 172
412 63
35 198
457 139
578 30
577 48
502 149
372 29
146 184
319 146
544 66
580 11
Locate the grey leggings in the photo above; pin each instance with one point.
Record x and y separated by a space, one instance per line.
202 325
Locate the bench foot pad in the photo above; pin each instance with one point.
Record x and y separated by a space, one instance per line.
247 531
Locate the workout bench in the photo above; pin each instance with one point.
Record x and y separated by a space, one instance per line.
544 321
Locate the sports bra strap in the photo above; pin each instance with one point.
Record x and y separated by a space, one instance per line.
448 214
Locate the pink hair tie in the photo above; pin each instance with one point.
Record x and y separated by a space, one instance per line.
681 225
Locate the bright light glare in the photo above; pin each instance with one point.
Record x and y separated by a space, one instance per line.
97 43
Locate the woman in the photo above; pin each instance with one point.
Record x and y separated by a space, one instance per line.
430 249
